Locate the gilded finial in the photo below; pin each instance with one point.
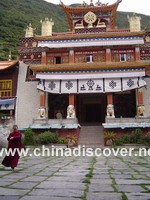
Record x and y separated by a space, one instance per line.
91 4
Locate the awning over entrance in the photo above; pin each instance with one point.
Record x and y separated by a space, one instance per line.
112 81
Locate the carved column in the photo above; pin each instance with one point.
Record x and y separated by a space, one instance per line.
72 99
108 55
109 98
71 56
110 106
43 59
42 99
137 54
140 103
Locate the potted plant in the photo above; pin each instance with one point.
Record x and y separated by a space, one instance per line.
109 137
71 140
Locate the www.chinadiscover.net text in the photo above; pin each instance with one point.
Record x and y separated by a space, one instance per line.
76 151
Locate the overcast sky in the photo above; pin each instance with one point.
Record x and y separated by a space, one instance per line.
137 6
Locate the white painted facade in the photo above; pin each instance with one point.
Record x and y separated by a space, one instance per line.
27 99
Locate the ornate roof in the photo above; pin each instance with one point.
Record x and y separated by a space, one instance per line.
72 11
84 40
108 34
7 64
90 66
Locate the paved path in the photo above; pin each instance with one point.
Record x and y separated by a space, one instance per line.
73 178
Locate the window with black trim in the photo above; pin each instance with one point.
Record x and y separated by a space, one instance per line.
58 60
89 58
123 57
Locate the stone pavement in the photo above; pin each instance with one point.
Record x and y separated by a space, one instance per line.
73 178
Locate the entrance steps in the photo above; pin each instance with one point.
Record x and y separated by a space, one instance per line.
91 136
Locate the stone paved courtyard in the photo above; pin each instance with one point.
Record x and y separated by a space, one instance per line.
73 178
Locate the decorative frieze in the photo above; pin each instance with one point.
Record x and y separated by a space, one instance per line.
95 85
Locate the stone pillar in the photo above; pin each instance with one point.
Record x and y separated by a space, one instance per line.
137 54
42 108
140 103
43 59
71 56
110 106
108 55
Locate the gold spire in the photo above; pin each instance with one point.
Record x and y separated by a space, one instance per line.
91 4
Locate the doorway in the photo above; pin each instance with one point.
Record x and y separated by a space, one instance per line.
92 112
91 108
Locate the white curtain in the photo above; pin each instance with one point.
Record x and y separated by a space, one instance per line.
69 86
91 85
52 86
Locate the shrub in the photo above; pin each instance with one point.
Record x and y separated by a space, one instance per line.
72 139
118 141
109 135
125 139
62 140
48 137
146 138
28 137
136 136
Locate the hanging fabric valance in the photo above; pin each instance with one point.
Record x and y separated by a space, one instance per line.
91 85
7 104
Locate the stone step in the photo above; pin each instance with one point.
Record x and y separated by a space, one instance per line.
91 136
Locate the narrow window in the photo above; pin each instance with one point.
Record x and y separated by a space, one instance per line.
57 60
89 58
123 57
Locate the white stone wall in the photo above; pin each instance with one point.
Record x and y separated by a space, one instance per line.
146 93
27 99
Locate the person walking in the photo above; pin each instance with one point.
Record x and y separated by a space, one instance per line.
15 144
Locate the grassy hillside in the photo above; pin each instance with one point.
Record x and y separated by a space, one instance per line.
122 21
15 15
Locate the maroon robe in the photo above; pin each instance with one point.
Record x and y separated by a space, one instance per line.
12 161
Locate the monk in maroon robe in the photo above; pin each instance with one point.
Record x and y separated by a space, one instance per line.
14 142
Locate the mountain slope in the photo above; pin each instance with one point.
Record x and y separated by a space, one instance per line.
17 14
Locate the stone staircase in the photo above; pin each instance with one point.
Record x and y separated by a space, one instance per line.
91 136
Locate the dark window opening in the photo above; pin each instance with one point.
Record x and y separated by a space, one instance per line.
89 58
123 57
125 104
58 60
57 103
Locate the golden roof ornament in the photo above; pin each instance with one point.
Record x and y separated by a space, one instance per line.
29 31
98 3
134 22
91 4
46 27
